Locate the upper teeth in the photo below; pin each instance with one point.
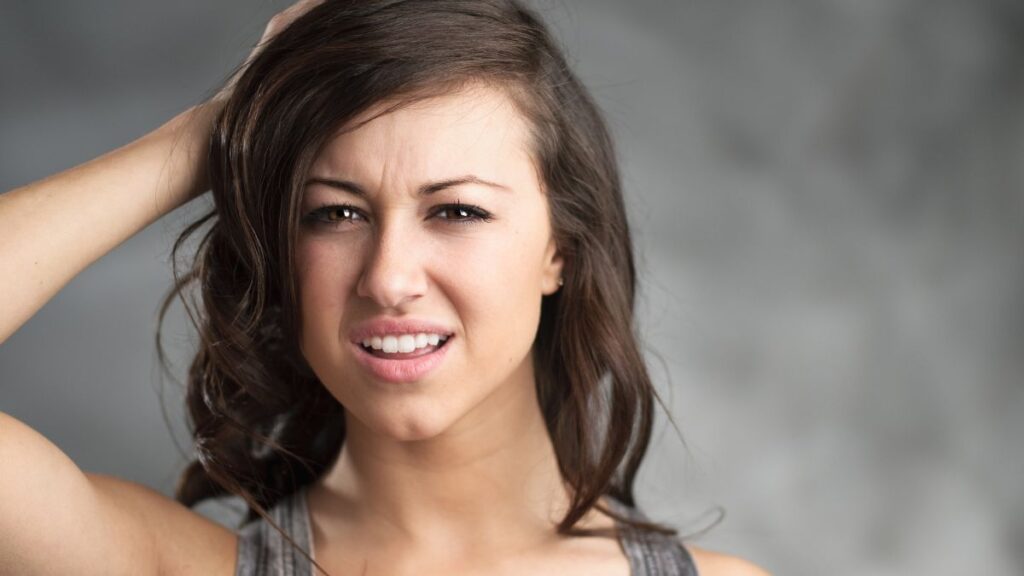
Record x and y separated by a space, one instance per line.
403 342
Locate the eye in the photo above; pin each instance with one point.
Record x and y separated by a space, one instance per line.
460 213
334 214
337 214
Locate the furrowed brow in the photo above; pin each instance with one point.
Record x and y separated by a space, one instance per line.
424 190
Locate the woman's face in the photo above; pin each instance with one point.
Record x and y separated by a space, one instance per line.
380 243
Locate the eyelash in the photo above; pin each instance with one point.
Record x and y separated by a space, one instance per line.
476 214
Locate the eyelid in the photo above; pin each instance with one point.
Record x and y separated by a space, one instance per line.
318 214
476 214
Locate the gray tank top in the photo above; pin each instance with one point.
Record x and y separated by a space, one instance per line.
262 551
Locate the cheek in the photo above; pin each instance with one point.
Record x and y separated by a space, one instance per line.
323 283
503 262
488 280
495 289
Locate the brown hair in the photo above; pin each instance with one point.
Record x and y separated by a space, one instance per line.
262 423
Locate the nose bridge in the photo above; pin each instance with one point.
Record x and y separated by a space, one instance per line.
393 272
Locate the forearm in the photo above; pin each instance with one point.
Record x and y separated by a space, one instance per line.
52 229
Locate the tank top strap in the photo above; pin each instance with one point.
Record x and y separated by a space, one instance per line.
263 551
650 553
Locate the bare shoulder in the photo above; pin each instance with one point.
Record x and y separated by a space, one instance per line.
711 563
57 519
186 542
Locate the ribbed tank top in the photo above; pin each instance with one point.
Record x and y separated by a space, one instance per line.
262 551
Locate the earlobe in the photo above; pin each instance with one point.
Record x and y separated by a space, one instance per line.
553 278
558 273
552 285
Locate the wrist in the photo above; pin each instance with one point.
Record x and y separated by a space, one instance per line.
187 137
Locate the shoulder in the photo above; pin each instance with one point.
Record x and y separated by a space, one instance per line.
186 542
57 519
717 564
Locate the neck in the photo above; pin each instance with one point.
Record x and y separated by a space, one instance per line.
490 482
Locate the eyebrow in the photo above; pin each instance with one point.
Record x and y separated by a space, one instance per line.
424 190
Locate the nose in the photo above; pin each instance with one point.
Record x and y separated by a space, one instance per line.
393 273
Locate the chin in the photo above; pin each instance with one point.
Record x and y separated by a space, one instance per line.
404 423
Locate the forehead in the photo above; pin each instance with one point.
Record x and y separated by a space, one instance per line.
478 129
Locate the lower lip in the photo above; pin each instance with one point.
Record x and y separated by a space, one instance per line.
402 370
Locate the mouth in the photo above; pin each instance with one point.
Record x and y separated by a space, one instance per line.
402 367
428 349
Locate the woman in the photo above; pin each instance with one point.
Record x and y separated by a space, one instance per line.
416 340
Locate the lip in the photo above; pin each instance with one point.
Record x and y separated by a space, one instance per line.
404 370
383 326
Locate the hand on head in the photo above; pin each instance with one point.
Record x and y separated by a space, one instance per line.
277 23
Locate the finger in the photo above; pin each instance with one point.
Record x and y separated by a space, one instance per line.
277 23
284 18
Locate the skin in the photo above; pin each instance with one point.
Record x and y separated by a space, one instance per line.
456 468
454 473
452 476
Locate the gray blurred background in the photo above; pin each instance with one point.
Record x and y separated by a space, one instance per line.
828 208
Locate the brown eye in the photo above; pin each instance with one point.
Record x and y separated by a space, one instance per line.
463 213
333 214
340 213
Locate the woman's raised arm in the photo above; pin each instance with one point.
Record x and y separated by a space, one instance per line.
55 518
52 229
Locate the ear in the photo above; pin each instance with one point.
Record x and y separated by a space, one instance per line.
553 264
